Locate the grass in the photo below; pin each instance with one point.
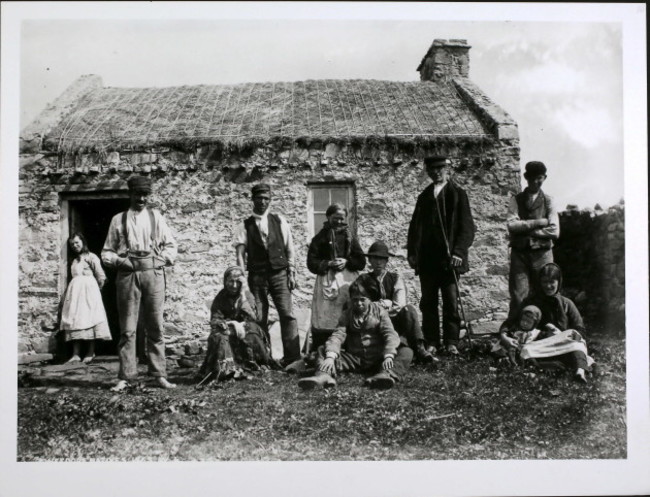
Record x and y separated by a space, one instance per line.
462 410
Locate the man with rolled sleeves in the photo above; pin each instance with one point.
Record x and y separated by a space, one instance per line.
533 225
440 234
264 247
139 245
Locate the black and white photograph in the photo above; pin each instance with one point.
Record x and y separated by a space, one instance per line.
349 248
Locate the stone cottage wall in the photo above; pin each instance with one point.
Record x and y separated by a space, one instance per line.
206 194
591 253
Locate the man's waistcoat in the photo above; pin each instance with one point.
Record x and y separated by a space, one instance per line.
538 210
273 256
371 284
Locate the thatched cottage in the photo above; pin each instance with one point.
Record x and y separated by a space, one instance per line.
316 141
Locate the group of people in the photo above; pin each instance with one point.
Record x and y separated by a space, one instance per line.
360 321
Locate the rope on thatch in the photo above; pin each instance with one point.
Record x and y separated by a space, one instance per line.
105 116
356 108
450 110
332 113
340 103
381 122
417 121
225 111
215 106
75 118
243 112
427 100
198 101
320 113
307 123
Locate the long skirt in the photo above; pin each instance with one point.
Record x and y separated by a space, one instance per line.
331 291
83 316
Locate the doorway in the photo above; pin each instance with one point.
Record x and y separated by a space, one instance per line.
91 213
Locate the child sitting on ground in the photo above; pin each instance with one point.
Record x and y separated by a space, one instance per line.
512 342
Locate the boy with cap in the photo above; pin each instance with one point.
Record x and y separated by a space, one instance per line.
533 224
440 234
364 341
388 289
139 245
264 246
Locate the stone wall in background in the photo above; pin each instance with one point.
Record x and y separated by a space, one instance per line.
591 253
205 196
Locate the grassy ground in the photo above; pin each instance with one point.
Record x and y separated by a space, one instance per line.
462 410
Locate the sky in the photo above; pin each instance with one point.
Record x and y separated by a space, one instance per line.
561 82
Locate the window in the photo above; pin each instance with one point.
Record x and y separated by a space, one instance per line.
322 195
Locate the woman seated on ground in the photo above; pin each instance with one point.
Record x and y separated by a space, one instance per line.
83 318
236 341
560 323
336 258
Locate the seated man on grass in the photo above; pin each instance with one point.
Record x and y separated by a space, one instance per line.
364 341
388 289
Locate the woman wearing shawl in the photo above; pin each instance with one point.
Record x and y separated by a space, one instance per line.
561 325
336 258
236 339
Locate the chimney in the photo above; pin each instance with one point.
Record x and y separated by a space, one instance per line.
444 60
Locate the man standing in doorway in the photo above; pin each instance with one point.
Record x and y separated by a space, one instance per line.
265 247
439 237
139 245
533 224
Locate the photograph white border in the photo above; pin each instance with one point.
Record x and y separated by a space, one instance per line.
583 477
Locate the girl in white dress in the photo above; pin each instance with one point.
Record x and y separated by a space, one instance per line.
83 317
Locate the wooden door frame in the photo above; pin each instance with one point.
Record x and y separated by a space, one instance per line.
66 215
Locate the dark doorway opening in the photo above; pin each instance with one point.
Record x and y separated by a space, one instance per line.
92 217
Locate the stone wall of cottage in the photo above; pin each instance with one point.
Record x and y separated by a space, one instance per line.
205 196
591 253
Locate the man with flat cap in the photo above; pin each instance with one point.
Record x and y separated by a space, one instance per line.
264 246
388 289
139 245
533 225
440 234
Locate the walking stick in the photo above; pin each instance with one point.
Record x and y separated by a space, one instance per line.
456 280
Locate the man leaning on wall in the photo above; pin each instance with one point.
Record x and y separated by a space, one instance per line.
533 225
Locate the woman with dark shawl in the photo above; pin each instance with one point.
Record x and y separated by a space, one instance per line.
561 339
236 341
336 258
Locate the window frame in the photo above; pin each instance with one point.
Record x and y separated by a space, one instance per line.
350 188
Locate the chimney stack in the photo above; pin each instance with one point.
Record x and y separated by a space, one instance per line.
444 60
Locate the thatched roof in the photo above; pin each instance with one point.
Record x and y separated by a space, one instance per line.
119 118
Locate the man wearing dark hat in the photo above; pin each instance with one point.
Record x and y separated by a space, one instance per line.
439 237
265 247
139 245
388 289
533 224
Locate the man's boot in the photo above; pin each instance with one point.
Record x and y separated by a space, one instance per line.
382 380
320 379
423 355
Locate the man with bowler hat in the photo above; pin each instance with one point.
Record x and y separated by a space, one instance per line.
264 246
440 234
533 225
388 289
139 245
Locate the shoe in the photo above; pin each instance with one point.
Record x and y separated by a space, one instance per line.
382 380
423 355
296 367
73 359
580 375
452 350
121 385
88 359
319 379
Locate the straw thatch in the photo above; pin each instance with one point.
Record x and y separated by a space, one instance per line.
132 118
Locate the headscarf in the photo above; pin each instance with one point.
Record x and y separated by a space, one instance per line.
233 307
535 312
